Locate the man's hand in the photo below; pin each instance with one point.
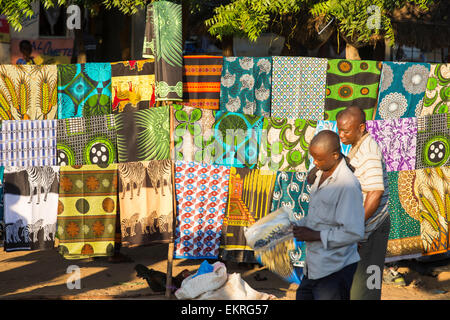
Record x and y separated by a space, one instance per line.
305 234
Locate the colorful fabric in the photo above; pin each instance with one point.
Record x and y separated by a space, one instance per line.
331 125
245 85
285 144
87 141
201 81
163 42
202 192
28 92
31 203
352 83
292 191
433 141
402 89
84 90
193 128
437 94
133 85
404 236
249 199
143 135
298 87
2 170
28 143
146 203
397 140
236 139
87 211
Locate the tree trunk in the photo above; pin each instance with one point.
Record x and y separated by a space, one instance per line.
227 46
351 52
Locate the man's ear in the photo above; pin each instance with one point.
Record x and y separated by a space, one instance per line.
362 127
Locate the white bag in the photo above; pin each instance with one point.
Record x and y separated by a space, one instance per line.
235 289
193 287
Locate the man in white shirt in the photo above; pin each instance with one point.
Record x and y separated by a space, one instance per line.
334 224
367 159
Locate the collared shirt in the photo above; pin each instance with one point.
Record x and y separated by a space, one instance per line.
370 170
336 210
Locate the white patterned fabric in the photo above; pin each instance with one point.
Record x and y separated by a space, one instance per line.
28 143
298 87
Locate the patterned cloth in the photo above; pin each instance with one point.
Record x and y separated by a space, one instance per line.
143 135
352 83
331 125
84 90
31 203
437 95
28 143
87 141
236 139
285 144
163 42
292 191
87 211
28 92
245 85
250 199
146 203
397 140
298 87
202 192
201 81
193 129
402 89
433 141
133 85
404 236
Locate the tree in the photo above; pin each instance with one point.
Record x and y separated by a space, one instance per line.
359 22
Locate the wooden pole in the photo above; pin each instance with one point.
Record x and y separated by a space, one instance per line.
174 206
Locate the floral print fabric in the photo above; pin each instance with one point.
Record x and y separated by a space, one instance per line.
397 141
202 192
402 89
245 85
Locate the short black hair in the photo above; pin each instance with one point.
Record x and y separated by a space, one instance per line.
25 45
328 139
353 111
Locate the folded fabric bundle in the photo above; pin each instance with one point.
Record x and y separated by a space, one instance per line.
201 81
84 90
28 92
31 205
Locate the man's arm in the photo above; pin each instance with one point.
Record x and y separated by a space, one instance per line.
373 199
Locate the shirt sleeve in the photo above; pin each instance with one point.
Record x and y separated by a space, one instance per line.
350 220
370 167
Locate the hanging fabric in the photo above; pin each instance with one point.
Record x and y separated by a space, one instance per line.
245 85
163 43
433 141
28 143
437 95
28 92
250 196
87 141
132 85
143 135
284 144
146 204
397 141
87 211
84 90
402 89
352 83
331 125
202 192
31 205
201 81
298 87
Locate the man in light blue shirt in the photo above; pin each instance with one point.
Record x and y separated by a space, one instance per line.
334 224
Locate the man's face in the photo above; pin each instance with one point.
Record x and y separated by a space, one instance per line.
323 160
350 131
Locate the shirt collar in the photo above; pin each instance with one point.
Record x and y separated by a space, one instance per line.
331 178
354 149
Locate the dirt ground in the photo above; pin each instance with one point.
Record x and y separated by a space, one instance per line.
42 275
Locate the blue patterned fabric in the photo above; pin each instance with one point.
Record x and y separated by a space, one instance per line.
245 85
402 89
